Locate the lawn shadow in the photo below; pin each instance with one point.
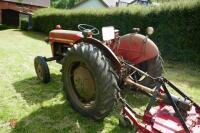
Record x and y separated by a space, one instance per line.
34 91
57 119
33 34
61 118
136 99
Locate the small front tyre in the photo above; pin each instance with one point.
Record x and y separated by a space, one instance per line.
42 69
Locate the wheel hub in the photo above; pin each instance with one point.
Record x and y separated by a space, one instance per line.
39 72
84 83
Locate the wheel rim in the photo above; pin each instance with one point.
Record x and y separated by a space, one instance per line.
84 85
39 72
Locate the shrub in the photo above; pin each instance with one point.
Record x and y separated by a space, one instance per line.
3 27
24 24
176 24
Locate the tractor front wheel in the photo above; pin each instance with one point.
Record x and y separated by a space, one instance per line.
89 81
42 69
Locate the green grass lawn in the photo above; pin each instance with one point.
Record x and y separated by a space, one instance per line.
37 107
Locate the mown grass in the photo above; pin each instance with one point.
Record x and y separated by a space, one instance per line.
37 107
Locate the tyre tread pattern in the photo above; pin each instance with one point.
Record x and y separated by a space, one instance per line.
154 69
45 69
105 79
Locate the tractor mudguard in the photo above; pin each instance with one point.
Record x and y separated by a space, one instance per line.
107 51
137 48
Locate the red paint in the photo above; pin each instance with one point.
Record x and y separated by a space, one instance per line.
64 36
136 48
162 119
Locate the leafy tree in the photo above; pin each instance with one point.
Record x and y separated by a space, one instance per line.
59 3
19 1
71 3
64 3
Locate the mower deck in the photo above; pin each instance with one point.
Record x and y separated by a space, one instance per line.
163 119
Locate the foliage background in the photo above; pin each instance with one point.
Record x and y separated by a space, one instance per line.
64 3
176 24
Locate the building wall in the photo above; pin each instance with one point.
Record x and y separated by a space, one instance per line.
18 7
41 3
10 17
91 4
10 12
0 17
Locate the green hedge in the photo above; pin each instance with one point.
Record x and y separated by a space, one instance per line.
177 24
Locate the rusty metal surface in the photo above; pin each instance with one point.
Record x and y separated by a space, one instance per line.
84 83
139 86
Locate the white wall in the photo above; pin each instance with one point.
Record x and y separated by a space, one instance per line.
91 4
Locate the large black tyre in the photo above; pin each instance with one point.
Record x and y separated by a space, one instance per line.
154 67
42 69
86 59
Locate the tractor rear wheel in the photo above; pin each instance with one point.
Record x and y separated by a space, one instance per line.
154 67
89 81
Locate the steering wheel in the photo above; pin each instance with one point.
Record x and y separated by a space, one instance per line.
88 28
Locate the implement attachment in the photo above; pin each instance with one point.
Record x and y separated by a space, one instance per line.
173 115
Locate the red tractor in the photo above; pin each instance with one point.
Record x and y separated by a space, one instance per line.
95 72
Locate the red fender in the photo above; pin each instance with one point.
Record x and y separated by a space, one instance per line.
137 48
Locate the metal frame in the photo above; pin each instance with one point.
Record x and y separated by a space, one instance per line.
161 82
